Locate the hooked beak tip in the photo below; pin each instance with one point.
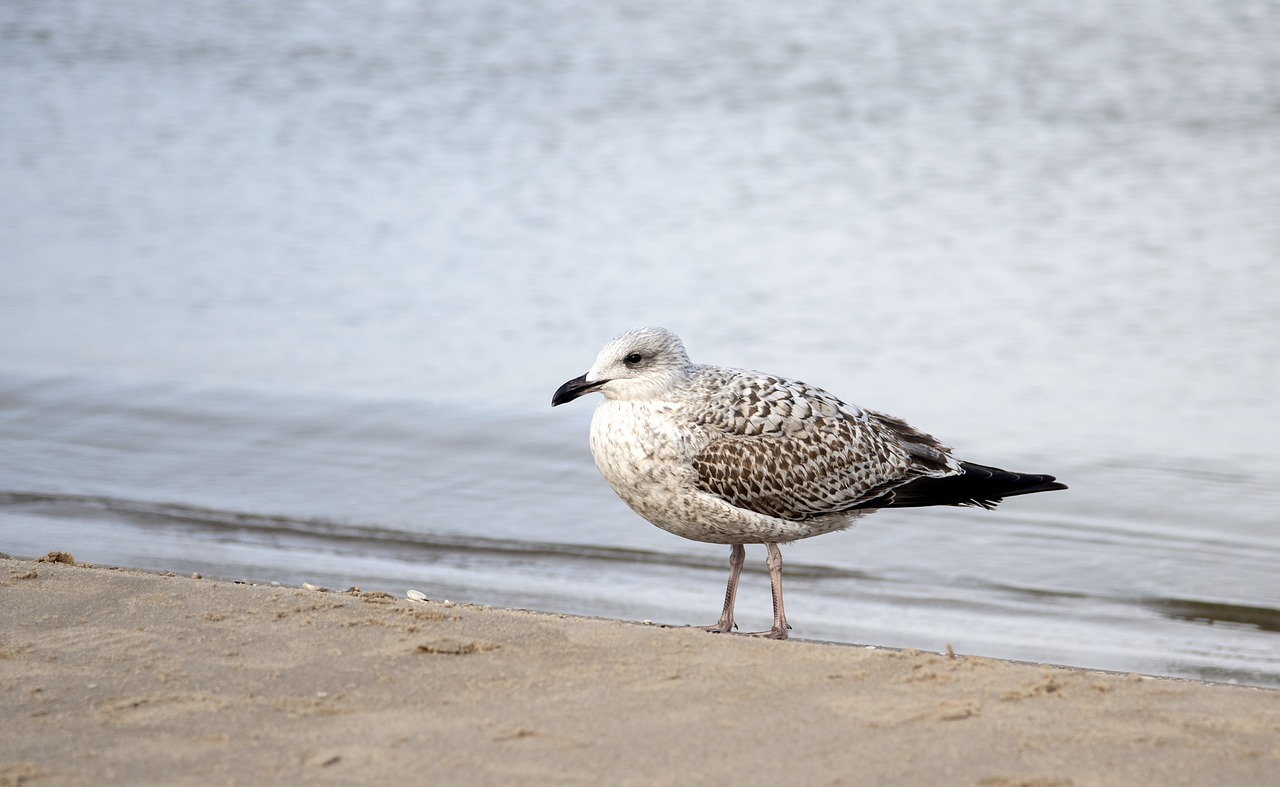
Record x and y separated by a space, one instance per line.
575 388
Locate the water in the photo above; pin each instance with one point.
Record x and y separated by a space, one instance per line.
285 290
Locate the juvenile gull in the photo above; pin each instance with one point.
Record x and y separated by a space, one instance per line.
728 456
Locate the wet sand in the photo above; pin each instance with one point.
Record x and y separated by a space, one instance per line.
117 676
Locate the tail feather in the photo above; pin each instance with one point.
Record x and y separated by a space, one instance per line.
977 485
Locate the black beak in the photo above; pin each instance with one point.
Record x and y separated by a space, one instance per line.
576 387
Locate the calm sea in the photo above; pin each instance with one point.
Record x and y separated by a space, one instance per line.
285 289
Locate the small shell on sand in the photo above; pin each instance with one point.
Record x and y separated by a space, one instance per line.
416 595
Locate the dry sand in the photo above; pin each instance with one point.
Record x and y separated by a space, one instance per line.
113 676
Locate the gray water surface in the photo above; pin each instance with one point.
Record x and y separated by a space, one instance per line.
285 291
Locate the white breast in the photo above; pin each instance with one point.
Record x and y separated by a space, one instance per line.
638 450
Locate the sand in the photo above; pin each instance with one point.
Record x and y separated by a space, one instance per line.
117 676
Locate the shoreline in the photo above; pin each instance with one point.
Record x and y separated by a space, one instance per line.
116 675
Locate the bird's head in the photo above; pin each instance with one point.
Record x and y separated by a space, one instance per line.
642 363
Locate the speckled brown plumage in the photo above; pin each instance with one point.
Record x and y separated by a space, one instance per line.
786 449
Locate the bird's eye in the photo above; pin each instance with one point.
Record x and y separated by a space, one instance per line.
633 359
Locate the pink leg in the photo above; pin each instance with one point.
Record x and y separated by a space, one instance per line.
737 556
780 626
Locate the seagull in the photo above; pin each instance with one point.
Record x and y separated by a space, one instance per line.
736 457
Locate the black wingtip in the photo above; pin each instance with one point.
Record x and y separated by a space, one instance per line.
977 485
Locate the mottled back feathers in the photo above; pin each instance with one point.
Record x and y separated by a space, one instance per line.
787 449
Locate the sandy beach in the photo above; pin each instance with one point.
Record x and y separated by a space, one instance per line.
119 676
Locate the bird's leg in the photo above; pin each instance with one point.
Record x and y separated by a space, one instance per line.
737 556
780 627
